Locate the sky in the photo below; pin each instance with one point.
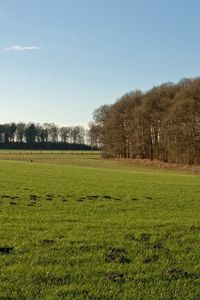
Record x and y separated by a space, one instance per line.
62 59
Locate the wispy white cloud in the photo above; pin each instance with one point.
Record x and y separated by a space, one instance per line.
19 48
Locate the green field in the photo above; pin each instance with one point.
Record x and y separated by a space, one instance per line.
75 226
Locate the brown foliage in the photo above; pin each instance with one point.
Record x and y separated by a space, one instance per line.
162 124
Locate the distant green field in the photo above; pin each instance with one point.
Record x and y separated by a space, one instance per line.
75 226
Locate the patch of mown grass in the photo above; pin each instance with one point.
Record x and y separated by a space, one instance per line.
98 233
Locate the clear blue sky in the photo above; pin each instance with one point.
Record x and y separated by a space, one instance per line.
61 59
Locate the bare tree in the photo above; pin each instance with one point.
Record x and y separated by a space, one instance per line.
162 124
64 133
20 132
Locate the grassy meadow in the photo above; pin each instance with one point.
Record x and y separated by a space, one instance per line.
75 226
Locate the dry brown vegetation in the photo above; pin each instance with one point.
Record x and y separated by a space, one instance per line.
162 124
157 164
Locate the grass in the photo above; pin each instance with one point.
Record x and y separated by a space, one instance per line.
74 226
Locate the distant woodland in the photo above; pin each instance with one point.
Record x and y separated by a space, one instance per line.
47 136
160 124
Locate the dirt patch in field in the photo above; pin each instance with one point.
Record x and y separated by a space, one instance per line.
63 198
5 197
148 198
117 255
14 197
134 199
194 228
157 245
175 272
6 250
81 199
11 198
92 197
145 237
151 259
96 197
107 197
47 242
33 197
49 197
115 277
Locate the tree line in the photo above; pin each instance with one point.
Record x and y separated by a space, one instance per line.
46 136
162 123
